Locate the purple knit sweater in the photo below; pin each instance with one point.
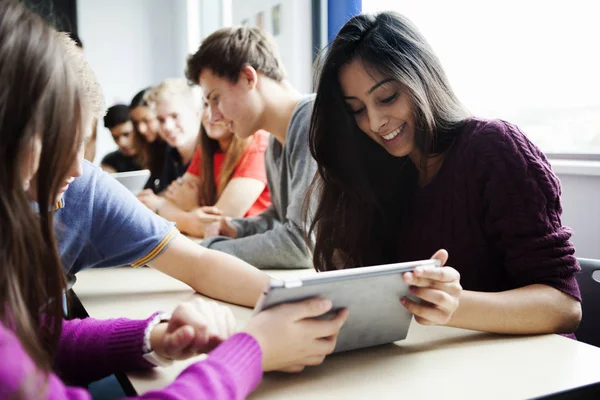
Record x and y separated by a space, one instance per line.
90 349
495 206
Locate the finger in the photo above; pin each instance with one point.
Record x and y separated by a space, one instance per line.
189 314
327 344
423 276
441 255
430 315
209 218
452 288
212 210
293 369
438 298
314 360
327 328
304 309
176 342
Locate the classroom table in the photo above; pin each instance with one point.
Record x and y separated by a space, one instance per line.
432 363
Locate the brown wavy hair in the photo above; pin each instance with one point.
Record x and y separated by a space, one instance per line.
228 50
150 155
357 213
40 98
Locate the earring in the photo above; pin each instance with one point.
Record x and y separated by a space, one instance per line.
26 184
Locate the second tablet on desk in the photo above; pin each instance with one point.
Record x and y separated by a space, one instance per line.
133 180
371 294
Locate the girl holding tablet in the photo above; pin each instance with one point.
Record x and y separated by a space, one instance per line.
405 170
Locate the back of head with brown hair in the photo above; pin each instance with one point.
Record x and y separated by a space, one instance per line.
42 96
228 50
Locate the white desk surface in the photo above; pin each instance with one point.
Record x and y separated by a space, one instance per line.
432 363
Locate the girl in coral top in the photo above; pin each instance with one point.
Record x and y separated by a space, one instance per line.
226 173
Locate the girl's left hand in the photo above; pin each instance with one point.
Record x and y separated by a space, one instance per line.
438 289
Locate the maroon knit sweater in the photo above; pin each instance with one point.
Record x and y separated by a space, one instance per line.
495 206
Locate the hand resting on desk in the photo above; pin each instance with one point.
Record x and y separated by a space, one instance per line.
195 327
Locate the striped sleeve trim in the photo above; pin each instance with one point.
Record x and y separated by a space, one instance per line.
58 205
157 250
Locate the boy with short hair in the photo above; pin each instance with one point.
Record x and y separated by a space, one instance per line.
242 76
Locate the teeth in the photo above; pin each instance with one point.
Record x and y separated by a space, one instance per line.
393 134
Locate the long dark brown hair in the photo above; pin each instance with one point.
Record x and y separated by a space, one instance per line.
360 187
150 155
210 191
39 98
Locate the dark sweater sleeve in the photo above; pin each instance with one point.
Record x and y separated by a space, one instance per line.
522 210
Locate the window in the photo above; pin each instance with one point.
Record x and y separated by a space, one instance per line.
535 63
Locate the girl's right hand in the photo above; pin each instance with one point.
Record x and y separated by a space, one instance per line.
290 337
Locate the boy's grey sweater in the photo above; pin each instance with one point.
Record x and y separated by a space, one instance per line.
275 239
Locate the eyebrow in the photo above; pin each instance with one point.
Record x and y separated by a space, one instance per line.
207 97
375 87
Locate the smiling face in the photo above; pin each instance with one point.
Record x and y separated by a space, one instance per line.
381 107
216 129
179 122
237 104
144 120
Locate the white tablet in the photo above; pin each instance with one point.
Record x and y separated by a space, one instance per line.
371 294
133 180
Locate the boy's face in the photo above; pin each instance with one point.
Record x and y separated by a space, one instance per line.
123 136
178 120
238 104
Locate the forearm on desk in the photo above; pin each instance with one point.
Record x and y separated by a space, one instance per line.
282 247
211 273
532 309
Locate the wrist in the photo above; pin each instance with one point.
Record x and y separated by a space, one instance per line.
153 337
156 337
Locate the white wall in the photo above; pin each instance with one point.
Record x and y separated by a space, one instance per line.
130 45
581 212
295 38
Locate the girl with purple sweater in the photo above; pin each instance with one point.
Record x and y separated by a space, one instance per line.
404 170
47 100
